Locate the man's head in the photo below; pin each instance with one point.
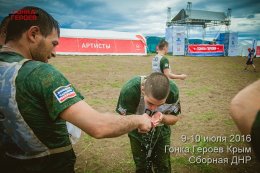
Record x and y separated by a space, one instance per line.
155 89
3 29
163 46
40 34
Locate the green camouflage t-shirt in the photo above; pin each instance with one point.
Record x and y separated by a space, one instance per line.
164 64
129 99
40 101
159 63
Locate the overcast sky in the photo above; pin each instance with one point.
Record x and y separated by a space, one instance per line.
143 16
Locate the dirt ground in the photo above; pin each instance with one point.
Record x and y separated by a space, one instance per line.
205 97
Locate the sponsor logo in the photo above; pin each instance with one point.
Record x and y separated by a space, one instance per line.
96 45
64 92
24 15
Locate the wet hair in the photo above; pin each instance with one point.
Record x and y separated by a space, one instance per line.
162 44
43 20
157 85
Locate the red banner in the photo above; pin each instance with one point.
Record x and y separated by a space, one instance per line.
258 51
100 46
206 48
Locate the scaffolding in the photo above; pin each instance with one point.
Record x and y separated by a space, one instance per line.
199 18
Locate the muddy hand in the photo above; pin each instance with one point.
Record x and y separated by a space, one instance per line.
146 124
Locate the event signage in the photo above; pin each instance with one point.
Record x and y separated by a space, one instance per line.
206 50
96 46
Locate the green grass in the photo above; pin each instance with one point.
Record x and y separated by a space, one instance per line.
206 116
87 171
192 92
115 84
229 122
205 96
87 138
96 101
95 164
183 162
85 88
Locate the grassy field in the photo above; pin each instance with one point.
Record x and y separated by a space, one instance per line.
205 97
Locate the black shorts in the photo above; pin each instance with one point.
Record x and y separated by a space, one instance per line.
249 62
58 163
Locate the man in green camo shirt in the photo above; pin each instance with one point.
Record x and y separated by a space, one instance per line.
37 100
245 111
153 94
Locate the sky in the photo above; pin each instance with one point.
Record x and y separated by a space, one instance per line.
147 17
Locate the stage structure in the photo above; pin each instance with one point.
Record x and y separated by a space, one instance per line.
178 28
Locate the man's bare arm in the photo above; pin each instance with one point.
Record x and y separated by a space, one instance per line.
158 118
103 125
245 106
170 119
170 75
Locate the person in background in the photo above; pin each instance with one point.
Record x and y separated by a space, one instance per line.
250 58
161 64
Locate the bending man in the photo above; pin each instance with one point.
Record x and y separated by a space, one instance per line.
159 97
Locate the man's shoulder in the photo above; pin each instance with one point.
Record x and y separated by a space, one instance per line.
29 65
157 56
164 58
10 57
129 96
173 87
33 71
132 86
38 68
164 61
174 93
134 81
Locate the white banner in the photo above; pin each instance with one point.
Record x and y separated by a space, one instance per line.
233 44
175 36
178 29
178 43
168 38
254 44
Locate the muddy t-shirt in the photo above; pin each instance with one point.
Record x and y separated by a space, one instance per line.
42 93
255 134
129 99
159 63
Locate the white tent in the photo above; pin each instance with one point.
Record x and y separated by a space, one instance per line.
100 42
